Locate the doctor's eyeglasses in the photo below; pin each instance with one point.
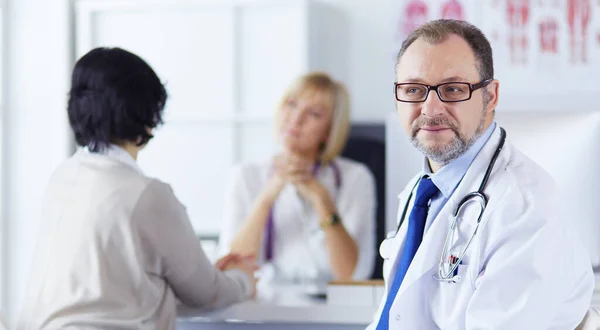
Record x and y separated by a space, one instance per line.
447 92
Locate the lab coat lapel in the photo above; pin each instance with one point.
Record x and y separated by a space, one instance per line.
429 252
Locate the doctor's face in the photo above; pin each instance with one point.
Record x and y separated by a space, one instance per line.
443 131
304 121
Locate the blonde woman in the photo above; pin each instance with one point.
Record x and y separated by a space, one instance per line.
307 212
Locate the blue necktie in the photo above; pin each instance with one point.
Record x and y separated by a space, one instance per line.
414 235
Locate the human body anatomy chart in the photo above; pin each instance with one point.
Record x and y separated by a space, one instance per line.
532 39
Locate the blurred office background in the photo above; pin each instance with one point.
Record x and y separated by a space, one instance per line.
226 64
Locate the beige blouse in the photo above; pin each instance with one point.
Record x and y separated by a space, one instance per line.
117 251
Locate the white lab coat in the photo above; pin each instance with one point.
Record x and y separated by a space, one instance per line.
525 269
300 250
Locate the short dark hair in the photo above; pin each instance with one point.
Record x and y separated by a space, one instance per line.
115 97
438 31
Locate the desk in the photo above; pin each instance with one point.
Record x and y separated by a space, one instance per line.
289 309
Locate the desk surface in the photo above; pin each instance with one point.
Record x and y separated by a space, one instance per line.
294 306
287 305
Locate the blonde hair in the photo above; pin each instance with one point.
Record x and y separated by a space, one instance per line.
339 102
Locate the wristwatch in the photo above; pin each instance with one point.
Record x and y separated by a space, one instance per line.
333 220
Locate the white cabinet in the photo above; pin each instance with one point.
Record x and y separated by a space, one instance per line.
225 65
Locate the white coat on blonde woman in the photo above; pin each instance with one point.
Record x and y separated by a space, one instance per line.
300 252
323 205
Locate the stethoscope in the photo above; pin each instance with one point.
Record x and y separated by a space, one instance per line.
269 230
448 265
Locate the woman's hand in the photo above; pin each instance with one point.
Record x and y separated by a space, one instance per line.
287 168
224 262
299 172
245 263
291 167
316 194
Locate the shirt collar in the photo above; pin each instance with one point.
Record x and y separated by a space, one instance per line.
115 152
449 176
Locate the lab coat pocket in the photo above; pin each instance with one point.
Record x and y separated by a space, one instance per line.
450 298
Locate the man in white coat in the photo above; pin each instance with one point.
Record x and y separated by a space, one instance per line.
521 265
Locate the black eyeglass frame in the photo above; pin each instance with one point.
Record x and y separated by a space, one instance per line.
472 88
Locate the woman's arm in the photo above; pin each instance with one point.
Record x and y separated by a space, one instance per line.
171 250
342 249
351 243
248 239
357 204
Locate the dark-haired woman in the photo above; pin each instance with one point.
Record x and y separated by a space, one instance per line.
118 250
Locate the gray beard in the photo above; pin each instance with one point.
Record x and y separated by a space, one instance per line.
452 150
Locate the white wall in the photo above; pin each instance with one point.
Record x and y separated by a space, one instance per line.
366 60
35 134
370 58
35 131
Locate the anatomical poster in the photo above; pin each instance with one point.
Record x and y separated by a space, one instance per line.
412 13
544 45
540 46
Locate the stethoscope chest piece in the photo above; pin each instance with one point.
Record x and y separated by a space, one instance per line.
385 248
